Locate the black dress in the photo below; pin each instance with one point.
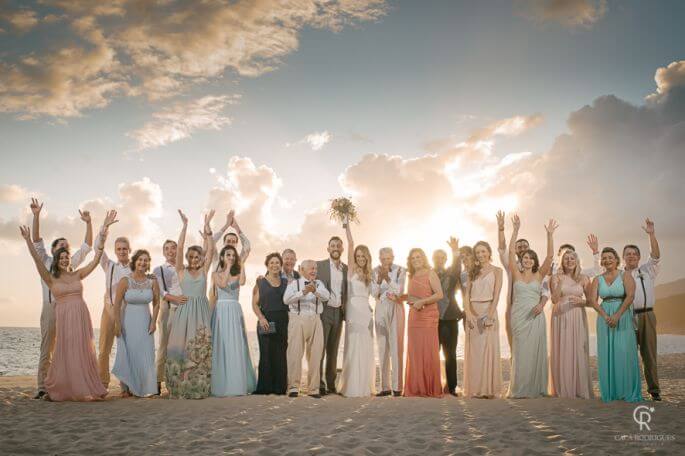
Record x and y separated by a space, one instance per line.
272 376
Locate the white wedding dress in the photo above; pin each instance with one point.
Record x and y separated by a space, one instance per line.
359 367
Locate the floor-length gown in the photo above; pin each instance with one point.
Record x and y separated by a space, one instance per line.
482 365
272 375
617 362
529 365
189 351
358 376
423 347
73 374
569 360
232 370
134 364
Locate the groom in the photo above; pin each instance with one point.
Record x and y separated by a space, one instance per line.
333 273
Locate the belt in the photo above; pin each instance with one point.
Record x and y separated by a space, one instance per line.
639 311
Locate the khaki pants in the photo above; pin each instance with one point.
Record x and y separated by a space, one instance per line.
305 336
389 319
646 340
47 342
166 317
105 343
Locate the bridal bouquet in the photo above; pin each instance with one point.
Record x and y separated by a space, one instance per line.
343 211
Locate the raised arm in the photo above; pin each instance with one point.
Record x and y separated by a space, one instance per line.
110 219
246 247
85 216
516 222
455 267
181 244
42 270
501 240
229 221
208 242
547 264
36 207
654 250
350 246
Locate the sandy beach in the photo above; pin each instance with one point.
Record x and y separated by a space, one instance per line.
336 425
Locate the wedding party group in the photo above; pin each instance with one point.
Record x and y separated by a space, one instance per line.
192 299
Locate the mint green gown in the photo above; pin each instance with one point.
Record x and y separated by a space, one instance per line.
617 362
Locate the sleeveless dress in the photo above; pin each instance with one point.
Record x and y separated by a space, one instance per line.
272 376
134 364
189 351
529 343
570 356
358 376
482 364
423 348
617 362
73 374
232 370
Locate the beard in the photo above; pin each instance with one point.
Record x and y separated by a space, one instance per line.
335 255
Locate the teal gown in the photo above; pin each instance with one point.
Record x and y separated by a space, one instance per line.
617 362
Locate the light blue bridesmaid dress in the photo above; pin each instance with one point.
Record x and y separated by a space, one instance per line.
617 362
529 343
134 364
232 371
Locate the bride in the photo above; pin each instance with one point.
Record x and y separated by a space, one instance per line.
359 370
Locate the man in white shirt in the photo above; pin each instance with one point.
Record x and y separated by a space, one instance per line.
305 298
387 286
172 296
232 238
114 272
47 314
643 304
333 273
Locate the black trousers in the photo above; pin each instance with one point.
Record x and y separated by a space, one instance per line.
448 333
332 322
273 363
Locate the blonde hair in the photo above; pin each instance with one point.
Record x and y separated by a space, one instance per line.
575 274
410 266
365 272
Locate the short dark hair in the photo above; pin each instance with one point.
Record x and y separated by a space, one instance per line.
273 255
631 246
56 241
334 238
522 240
566 247
231 233
168 241
139 253
536 261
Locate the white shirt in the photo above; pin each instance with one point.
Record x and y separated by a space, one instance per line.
167 279
644 298
309 304
397 275
76 259
244 249
336 285
114 272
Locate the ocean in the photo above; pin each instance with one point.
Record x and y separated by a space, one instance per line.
19 348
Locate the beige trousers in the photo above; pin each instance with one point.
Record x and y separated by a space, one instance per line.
305 336
646 339
105 343
166 317
47 342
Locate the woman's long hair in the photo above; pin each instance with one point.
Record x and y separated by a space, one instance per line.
477 267
54 266
575 274
235 267
410 266
365 272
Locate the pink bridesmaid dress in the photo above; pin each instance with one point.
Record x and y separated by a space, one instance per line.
73 375
423 348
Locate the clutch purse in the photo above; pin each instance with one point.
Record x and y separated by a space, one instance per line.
263 332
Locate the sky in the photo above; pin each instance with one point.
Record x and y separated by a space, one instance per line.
430 115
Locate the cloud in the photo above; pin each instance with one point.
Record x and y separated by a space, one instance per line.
21 20
667 78
316 140
161 49
512 126
11 193
569 13
181 120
